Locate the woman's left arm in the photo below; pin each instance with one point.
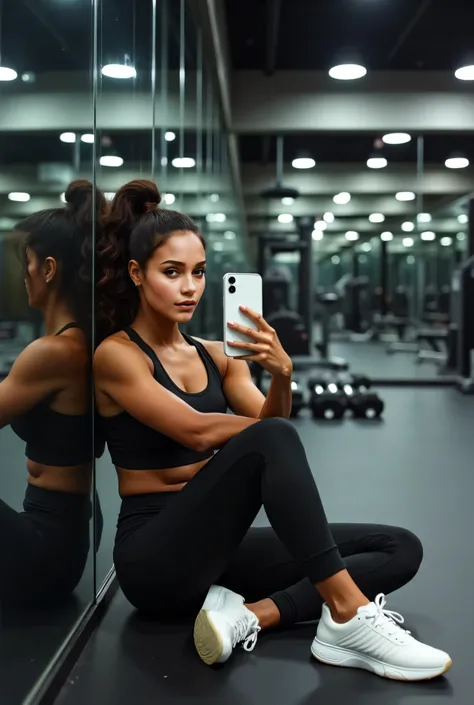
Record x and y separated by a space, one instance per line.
243 396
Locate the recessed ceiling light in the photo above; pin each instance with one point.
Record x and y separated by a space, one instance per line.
410 259
446 241
396 138
229 235
376 217
386 236
377 162
423 218
405 196
183 162
19 196
408 227
285 218
63 197
456 163
335 259
68 137
220 217
366 247
110 195
88 138
461 237
320 225
428 235
111 160
317 234
463 219
408 242
287 200
169 198
352 235
218 246
342 198
214 197
347 72
328 217
7 74
465 73
303 163
119 71
170 136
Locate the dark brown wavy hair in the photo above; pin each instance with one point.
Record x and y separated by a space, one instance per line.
134 228
66 233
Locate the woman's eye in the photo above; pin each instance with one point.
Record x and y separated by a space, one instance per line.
171 271
200 272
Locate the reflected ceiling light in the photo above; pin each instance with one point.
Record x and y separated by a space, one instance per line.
183 162
88 138
229 235
465 73
456 163
396 138
408 227
218 246
287 200
62 197
342 198
320 225
386 236
69 137
335 259
408 242
7 74
405 196
110 195
111 160
463 219
303 163
169 198
366 247
461 237
428 235
423 218
214 197
19 196
352 235
376 217
220 217
28 77
317 234
328 217
285 218
446 241
170 136
121 71
347 72
377 162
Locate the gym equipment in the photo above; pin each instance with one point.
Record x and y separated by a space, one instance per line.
291 331
364 405
349 391
463 286
327 403
297 399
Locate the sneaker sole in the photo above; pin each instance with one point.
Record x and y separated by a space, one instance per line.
336 656
207 639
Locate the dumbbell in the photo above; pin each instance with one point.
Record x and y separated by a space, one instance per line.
297 398
326 400
364 405
360 382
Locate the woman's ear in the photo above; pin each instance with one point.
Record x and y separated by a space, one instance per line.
134 272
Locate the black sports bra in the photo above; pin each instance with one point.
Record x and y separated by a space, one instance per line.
135 446
53 438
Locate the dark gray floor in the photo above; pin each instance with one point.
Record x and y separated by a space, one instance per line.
415 469
372 358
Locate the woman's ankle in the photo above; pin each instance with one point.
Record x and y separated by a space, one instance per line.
266 611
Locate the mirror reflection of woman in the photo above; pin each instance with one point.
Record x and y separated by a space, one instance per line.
46 399
193 478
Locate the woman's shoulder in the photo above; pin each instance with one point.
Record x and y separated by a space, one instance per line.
215 348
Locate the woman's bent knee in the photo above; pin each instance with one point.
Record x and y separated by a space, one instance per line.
410 552
276 429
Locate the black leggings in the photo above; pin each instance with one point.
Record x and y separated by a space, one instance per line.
170 547
43 549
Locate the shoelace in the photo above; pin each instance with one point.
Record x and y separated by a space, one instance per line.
385 618
248 634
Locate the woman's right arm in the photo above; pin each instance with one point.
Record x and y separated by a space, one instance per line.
123 374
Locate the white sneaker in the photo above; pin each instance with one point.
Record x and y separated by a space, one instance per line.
222 623
372 640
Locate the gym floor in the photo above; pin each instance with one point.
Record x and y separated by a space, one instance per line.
413 469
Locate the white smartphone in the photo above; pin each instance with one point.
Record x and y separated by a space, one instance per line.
240 290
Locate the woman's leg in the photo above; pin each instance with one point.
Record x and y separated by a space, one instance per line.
379 559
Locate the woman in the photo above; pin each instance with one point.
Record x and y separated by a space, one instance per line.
185 525
46 398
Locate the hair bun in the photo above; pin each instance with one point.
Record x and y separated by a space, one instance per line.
141 195
78 193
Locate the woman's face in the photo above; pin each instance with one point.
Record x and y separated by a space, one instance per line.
35 281
175 276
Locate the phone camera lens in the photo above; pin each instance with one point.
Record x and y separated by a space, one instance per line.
231 289
231 280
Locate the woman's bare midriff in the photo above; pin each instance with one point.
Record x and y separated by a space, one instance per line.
76 479
133 482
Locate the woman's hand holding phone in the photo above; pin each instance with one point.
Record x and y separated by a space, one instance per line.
265 347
